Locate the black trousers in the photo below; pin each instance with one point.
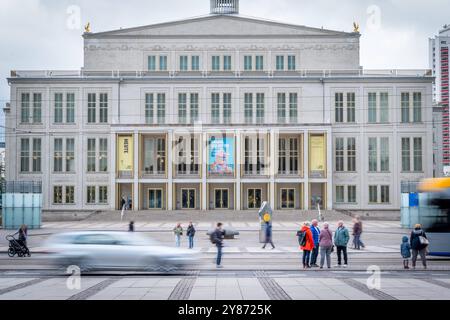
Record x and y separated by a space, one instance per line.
342 250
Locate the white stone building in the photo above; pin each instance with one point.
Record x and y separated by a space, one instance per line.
221 112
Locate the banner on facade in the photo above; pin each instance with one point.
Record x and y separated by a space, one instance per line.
125 152
221 156
317 151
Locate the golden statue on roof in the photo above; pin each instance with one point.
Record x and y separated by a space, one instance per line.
355 27
87 28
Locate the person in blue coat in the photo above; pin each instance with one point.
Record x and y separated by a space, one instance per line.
316 235
405 250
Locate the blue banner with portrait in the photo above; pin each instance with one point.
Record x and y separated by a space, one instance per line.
221 156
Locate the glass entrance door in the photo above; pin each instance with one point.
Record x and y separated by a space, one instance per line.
287 198
155 199
221 198
254 197
188 198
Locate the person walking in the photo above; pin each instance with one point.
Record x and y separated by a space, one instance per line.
419 244
217 239
191 234
123 203
23 235
357 231
131 226
341 239
405 250
268 236
178 232
306 242
315 230
326 245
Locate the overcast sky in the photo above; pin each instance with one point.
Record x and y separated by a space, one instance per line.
45 34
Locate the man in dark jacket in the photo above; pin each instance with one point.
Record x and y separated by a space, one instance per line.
418 246
268 238
191 234
315 230
217 237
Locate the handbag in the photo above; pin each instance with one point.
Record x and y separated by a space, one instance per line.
424 241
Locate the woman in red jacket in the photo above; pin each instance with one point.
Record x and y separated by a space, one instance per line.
308 244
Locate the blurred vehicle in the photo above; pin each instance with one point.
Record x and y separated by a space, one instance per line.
230 233
436 220
116 251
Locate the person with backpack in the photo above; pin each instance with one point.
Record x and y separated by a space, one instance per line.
217 239
341 239
306 242
316 234
326 245
191 234
405 250
419 245
178 232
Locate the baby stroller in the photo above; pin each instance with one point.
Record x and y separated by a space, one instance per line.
17 247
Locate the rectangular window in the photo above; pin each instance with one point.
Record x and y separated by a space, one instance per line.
248 163
351 194
161 108
227 108
351 154
280 63
406 155
373 155
373 194
287 198
182 108
58 116
70 155
103 108
293 156
70 108
293 107
103 194
260 108
37 108
163 63
215 108
58 155
37 155
24 155
351 107
152 63
57 195
340 194
372 107
418 154
195 63
281 108
91 198
103 155
149 108
194 106
248 63
385 194
405 107
339 154
282 156
216 63
417 107
161 155
91 155
384 107
339 107
291 63
248 108
259 63
92 108
384 154
226 63
184 63
70 195
25 108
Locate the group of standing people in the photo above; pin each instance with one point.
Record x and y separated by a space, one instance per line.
313 241
417 243
190 233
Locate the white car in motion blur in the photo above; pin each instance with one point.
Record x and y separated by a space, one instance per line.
101 250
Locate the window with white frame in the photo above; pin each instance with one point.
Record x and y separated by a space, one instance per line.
411 107
63 155
254 108
188 108
155 102
30 155
379 147
154 155
64 104
254 155
378 107
283 111
63 195
288 155
188 160
31 108
412 146
221 108
97 155
98 105
96 195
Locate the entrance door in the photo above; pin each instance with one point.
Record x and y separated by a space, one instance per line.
154 198
287 198
188 198
254 197
221 198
